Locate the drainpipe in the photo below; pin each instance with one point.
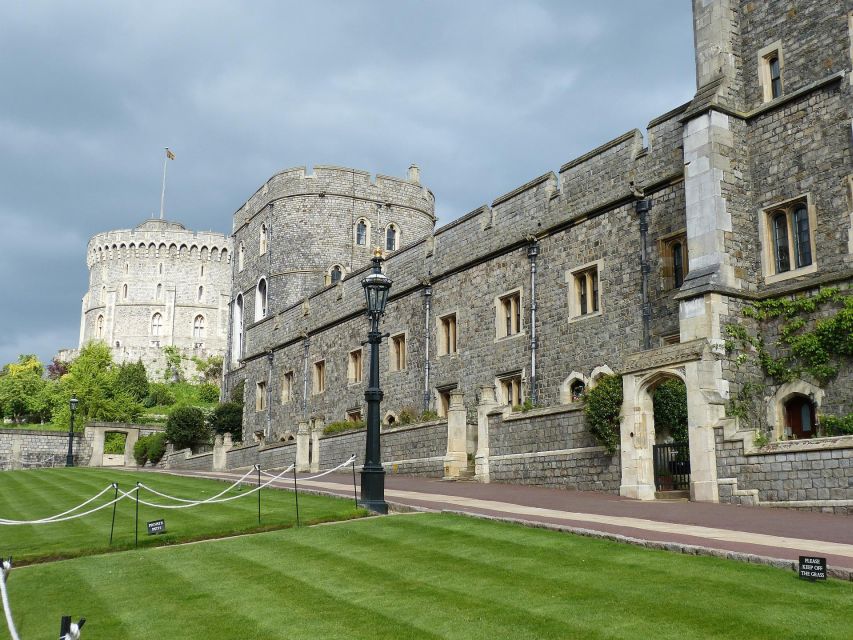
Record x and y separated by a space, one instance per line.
642 208
270 357
305 346
427 308
532 253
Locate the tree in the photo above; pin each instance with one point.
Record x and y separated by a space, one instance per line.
185 427
173 363
670 407
228 418
56 369
209 369
22 388
133 379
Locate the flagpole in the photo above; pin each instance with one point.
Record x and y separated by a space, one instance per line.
163 192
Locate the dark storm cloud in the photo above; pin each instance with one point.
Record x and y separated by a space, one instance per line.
482 95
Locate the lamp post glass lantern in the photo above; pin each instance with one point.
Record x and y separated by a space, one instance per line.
69 459
376 286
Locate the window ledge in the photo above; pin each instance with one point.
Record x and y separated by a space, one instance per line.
514 335
787 275
586 316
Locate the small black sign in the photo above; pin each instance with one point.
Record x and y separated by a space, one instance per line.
812 568
156 526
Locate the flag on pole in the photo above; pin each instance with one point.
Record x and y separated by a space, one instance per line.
169 154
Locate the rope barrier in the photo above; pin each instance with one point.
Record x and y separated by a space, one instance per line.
5 567
209 500
55 518
223 492
325 473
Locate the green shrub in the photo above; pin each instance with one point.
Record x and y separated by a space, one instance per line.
186 427
343 425
837 426
227 418
159 395
670 407
208 392
114 442
237 392
429 416
133 379
140 451
602 406
156 447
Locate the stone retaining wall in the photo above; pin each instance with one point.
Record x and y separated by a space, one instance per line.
812 475
550 447
28 448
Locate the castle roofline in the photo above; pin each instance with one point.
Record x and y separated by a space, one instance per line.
156 224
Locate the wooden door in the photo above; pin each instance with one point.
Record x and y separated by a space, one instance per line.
800 418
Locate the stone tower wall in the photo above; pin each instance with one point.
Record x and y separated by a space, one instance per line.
162 265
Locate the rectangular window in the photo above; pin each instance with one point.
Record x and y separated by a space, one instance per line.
354 415
585 294
770 65
287 387
355 366
261 396
673 253
510 388
447 334
788 240
319 376
442 398
398 352
509 315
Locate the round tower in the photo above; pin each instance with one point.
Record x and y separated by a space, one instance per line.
157 285
299 232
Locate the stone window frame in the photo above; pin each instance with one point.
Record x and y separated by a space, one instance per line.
354 414
768 246
572 280
598 372
241 257
764 56
500 314
260 396
398 360
99 326
238 327
287 379
330 277
355 366
367 230
200 296
442 398
124 291
502 382
318 377
391 419
442 333
261 299
398 237
158 291
667 256
776 404
263 239
199 328
566 386
103 294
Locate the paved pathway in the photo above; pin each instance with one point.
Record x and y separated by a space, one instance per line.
769 532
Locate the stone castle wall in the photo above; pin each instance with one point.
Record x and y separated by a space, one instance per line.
25 448
162 268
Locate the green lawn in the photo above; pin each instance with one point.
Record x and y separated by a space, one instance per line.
31 494
423 576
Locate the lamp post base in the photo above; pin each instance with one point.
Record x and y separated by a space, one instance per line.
69 461
373 489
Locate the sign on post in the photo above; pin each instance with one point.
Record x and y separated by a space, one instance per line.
812 568
156 526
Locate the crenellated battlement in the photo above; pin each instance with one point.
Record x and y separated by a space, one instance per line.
333 181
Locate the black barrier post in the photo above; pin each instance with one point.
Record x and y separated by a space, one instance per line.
296 493
354 492
259 493
115 504
136 528
65 627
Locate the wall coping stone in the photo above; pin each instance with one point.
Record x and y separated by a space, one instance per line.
40 432
407 427
796 446
544 411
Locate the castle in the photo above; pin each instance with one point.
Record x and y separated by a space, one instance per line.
155 286
633 258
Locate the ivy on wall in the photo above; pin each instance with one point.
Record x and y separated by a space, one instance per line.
670 406
602 406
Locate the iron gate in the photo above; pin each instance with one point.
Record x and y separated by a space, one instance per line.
672 466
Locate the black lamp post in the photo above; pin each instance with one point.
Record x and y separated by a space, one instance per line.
376 285
69 459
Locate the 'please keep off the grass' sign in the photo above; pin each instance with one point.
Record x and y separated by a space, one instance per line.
812 568
156 526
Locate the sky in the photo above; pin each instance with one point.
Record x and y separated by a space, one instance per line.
481 95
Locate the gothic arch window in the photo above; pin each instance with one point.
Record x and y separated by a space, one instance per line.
200 293
392 237
261 299
198 327
241 257
104 294
335 274
160 269
156 324
237 330
789 240
576 390
159 293
99 327
362 232
124 291
262 246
